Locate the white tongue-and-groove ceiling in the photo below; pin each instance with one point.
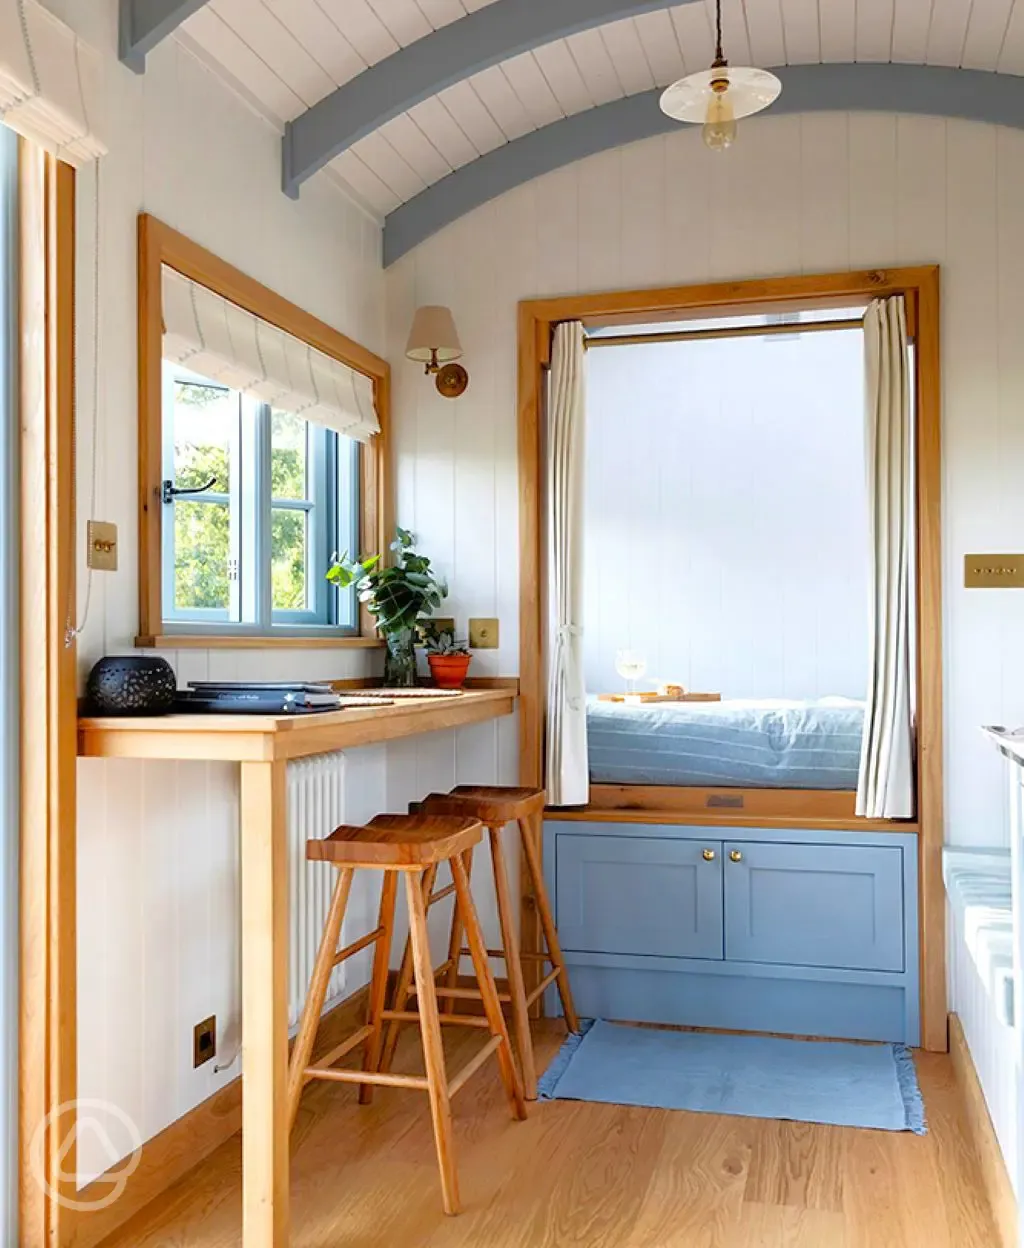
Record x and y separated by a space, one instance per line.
288 55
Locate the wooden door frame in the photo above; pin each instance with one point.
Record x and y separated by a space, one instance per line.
920 287
47 1059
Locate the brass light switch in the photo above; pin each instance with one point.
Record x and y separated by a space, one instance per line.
483 634
101 546
994 571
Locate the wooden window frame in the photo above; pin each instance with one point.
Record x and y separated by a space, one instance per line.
159 245
920 287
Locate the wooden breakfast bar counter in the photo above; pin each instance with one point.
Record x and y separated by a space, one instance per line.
262 746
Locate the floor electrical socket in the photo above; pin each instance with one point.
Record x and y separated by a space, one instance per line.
204 1041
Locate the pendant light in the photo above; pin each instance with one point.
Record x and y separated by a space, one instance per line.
718 97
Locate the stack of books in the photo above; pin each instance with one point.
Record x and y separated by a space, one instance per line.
256 697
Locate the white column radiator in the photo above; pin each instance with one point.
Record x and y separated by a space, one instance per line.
316 806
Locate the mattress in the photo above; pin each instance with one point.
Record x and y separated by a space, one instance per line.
736 744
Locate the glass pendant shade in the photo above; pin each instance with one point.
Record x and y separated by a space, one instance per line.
719 129
693 99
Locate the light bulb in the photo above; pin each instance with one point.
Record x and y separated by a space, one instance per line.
719 130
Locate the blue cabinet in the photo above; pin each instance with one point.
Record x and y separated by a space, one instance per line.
814 905
807 931
641 895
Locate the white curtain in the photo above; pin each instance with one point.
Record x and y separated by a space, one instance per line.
214 337
568 780
886 785
50 83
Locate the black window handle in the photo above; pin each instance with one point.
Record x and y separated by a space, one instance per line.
169 491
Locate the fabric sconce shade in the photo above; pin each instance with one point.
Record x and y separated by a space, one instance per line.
434 342
433 338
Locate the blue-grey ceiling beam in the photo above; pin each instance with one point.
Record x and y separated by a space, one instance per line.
143 23
455 52
967 94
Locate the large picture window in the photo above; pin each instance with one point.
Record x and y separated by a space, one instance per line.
256 501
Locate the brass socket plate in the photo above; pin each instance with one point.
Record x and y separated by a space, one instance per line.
204 1041
483 634
101 541
994 571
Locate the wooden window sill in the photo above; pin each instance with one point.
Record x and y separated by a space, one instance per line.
248 641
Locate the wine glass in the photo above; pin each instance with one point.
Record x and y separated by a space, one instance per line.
630 666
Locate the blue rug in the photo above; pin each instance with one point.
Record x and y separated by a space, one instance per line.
849 1085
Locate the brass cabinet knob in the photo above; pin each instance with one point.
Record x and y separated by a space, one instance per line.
735 855
709 855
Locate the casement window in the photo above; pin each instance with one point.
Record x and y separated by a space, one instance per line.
256 501
263 451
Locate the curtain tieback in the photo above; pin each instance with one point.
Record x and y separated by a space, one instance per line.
565 631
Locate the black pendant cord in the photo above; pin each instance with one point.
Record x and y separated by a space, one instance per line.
719 58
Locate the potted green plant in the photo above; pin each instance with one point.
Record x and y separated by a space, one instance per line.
449 660
396 595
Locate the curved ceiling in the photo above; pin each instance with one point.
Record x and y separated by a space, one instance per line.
426 107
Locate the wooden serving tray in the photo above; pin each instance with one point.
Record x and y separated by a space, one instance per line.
641 699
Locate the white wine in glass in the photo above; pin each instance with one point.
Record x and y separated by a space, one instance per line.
630 666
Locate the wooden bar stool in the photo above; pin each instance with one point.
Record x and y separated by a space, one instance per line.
496 806
413 845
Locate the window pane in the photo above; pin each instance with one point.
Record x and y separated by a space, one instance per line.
201 540
204 418
288 457
288 558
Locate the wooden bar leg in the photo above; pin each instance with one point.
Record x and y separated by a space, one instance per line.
379 982
433 1049
547 922
317 991
488 992
404 982
514 967
529 923
264 867
455 940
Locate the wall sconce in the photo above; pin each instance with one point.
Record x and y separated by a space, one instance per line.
434 342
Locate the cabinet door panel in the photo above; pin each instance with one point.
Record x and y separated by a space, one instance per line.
815 905
639 895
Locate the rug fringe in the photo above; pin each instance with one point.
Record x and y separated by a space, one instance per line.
560 1062
906 1075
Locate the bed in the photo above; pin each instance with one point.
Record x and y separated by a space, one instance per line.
771 744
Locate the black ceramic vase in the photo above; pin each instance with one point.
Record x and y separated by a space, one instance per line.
131 685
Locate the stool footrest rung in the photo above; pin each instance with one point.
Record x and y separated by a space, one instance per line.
457 1020
544 984
369 939
441 894
339 1050
381 1078
463 994
473 1065
500 953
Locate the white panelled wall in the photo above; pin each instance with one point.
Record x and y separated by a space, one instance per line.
157 843
797 194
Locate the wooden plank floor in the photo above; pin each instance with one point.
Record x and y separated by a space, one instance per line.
596 1176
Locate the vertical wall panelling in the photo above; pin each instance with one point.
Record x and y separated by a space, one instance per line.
158 843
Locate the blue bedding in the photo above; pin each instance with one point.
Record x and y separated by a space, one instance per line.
738 744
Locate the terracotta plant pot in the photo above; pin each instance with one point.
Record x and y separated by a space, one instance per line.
449 670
